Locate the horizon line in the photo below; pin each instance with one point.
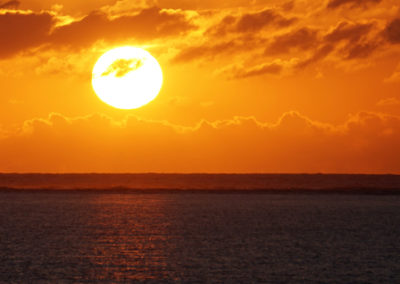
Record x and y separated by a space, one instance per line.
195 173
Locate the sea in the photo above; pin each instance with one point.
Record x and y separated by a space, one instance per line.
199 228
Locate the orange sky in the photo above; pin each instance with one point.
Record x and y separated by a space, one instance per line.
271 86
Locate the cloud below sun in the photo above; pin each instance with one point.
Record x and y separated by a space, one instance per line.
294 143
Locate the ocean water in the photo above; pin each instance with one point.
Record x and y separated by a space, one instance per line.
98 236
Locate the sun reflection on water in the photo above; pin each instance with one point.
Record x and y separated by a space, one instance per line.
129 238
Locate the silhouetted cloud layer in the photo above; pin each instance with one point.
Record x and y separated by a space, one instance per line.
269 34
393 31
250 23
236 71
22 30
352 3
306 33
10 4
302 39
147 25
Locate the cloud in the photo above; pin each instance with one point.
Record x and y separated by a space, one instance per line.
20 31
10 4
361 50
282 31
302 39
122 67
254 22
366 142
288 6
23 30
238 71
244 36
389 102
123 7
318 55
234 34
350 41
395 77
149 24
250 23
209 51
65 63
392 31
333 4
346 31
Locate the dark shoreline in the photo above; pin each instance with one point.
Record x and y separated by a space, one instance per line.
149 183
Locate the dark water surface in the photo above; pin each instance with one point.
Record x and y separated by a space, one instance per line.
84 237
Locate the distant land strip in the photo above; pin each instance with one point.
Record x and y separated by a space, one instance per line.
127 190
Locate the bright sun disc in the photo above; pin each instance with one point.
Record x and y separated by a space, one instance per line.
127 77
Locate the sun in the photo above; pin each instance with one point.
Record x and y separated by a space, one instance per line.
127 77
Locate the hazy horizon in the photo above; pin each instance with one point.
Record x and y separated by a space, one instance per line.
203 181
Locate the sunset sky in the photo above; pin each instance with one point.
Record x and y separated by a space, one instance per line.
261 86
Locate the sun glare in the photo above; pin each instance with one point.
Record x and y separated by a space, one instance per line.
127 77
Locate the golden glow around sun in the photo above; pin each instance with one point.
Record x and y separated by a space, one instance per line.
127 77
